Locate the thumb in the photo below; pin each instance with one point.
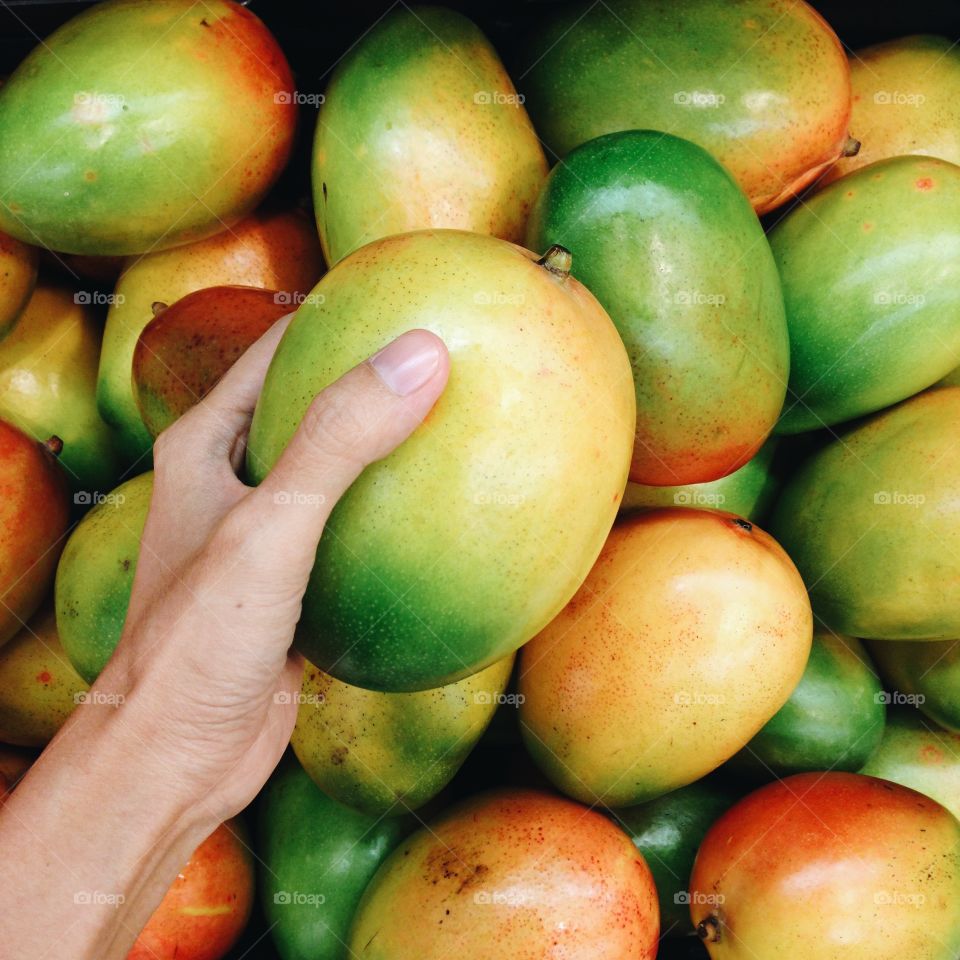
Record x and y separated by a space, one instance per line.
354 422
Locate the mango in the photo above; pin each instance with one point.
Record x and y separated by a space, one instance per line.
688 635
905 101
188 346
460 545
869 521
510 873
926 673
665 240
762 84
278 251
668 832
870 269
39 688
95 575
919 755
48 378
140 126
829 865
34 516
316 858
381 753
206 909
749 491
833 720
18 276
421 127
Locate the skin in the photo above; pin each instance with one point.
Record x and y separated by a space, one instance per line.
826 866
96 575
402 142
14 763
39 688
870 522
48 377
762 84
905 101
206 909
312 847
833 720
668 831
539 416
203 679
919 755
277 251
34 515
381 753
871 284
748 492
663 237
18 276
929 672
511 873
187 347
169 141
689 634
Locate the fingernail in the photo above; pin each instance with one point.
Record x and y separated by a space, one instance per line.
408 363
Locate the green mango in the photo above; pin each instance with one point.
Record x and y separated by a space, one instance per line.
927 673
833 720
455 549
919 755
748 492
95 575
316 858
141 125
668 832
870 522
664 239
871 280
763 85
48 376
421 127
382 752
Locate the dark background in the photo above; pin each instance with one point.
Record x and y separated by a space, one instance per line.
315 35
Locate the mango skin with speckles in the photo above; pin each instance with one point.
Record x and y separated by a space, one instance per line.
143 124
691 632
906 100
870 269
382 753
421 127
826 865
95 575
18 276
871 522
667 242
511 873
763 85
274 249
465 541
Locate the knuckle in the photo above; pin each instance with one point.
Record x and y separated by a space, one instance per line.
334 427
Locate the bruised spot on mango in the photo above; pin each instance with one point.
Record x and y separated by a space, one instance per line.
931 754
867 226
44 677
90 176
925 183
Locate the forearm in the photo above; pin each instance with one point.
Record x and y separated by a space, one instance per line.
93 837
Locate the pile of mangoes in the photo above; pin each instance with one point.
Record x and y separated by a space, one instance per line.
649 631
